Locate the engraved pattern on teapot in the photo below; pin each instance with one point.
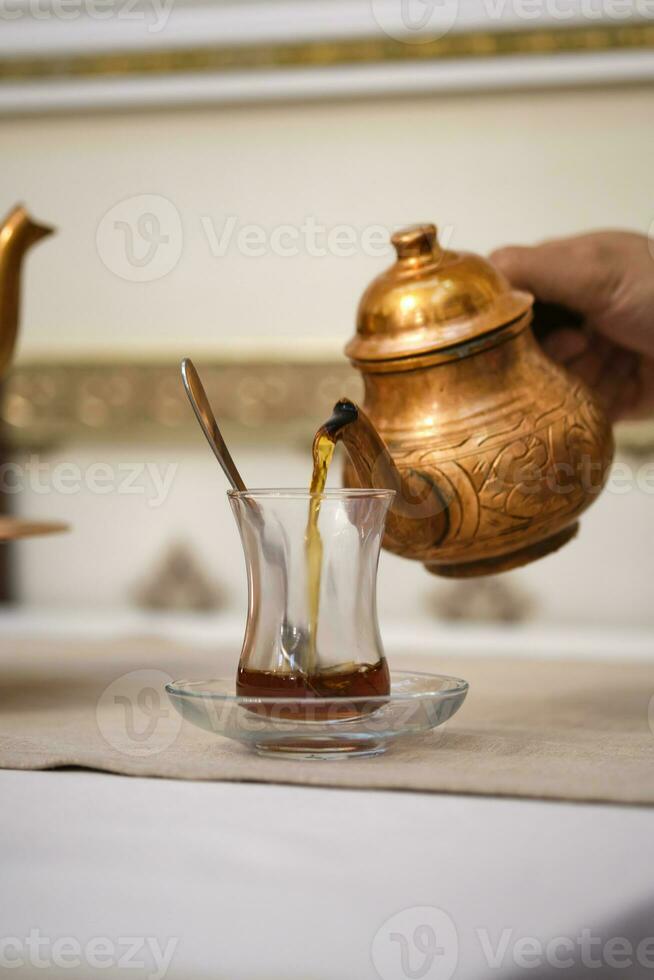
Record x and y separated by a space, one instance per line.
493 450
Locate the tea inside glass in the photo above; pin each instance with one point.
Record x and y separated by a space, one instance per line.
311 562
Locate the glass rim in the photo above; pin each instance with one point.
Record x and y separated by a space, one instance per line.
295 493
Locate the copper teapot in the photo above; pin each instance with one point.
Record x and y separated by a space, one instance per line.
493 450
18 232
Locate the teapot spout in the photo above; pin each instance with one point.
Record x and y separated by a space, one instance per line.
418 517
17 234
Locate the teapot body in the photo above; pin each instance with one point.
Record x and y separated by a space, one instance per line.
516 447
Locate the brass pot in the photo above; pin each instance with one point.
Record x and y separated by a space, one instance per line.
494 450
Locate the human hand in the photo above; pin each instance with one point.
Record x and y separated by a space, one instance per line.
606 280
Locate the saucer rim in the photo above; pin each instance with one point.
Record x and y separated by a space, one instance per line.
459 687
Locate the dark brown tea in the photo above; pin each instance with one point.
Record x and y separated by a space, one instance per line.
344 681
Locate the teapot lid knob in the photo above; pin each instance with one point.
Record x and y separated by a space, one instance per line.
416 241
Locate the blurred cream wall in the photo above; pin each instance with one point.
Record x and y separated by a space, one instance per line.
602 578
488 168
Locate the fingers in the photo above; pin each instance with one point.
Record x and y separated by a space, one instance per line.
643 405
617 382
607 279
610 371
564 345
571 271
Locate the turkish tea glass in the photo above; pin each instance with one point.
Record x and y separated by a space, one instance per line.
311 560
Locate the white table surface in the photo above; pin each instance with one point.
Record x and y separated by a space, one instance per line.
260 882
264 881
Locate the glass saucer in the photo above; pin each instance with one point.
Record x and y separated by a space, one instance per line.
320 728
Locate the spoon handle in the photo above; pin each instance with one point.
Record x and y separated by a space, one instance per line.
200 404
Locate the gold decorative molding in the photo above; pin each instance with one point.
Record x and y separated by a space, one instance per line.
50 403
324 54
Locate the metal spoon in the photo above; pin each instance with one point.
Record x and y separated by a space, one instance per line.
203 413
291 639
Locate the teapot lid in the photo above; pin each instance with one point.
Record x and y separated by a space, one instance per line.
431 299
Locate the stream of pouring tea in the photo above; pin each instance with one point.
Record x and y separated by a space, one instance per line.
324 445
348 678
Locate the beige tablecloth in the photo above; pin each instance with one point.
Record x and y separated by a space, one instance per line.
546 729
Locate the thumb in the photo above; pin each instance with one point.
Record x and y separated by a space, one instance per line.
565 272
